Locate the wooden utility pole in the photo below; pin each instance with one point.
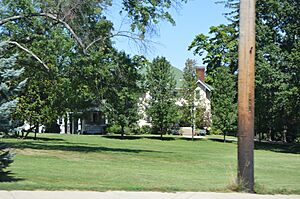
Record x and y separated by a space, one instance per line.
246 95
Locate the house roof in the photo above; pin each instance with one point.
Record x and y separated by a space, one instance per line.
208 87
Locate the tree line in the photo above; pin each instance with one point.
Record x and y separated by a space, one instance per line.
277 92
65 51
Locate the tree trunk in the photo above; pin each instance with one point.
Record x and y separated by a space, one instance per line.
122 132
36 130
260 136
224 139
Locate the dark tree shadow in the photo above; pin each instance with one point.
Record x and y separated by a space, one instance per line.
222 140
8 176
137 137
127 137
164 138
65 146
278 147
190 139
43 139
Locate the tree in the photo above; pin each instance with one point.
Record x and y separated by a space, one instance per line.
202 117
187 90
85 20
221 60
73 38
277 79
125 92
221 48
277 64
161 86
10 87
224 107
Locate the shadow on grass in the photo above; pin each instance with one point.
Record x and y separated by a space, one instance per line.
164 138
75 147
191 139
222 140
7 176
119 137
44 139
137 137
278 147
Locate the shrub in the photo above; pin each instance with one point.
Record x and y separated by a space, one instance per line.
114 129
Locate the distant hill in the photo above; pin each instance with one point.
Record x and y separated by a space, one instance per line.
177 73
178 76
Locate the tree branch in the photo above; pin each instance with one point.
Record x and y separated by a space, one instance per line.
130 35
29 52
51 16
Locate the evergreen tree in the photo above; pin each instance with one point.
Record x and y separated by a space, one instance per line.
9 88
161 86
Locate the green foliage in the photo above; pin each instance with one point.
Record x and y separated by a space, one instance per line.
277 79
161 86
221 59
145 130
10 87
202 117
114 129
224 108
74 39
277 103
145 13
125 90
221 48
187 91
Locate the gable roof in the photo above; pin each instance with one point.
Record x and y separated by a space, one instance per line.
208 87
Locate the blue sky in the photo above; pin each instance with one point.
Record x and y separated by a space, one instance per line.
172 41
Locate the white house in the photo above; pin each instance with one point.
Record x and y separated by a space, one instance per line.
202 95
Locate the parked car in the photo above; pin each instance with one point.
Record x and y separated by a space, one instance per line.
202 132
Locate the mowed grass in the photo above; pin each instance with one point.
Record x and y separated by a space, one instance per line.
77 162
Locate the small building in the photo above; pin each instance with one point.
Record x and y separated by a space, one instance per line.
90 121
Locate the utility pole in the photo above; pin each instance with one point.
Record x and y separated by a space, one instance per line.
246 95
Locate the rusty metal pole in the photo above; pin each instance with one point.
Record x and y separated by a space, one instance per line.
246 95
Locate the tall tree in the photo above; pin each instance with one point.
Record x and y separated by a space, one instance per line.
10 87
221 60
187 90
224 107
277 64
277 80
125 90
161 86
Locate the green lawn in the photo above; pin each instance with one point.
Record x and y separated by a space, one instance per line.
64 162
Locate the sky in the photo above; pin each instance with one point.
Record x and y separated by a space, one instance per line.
172 42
